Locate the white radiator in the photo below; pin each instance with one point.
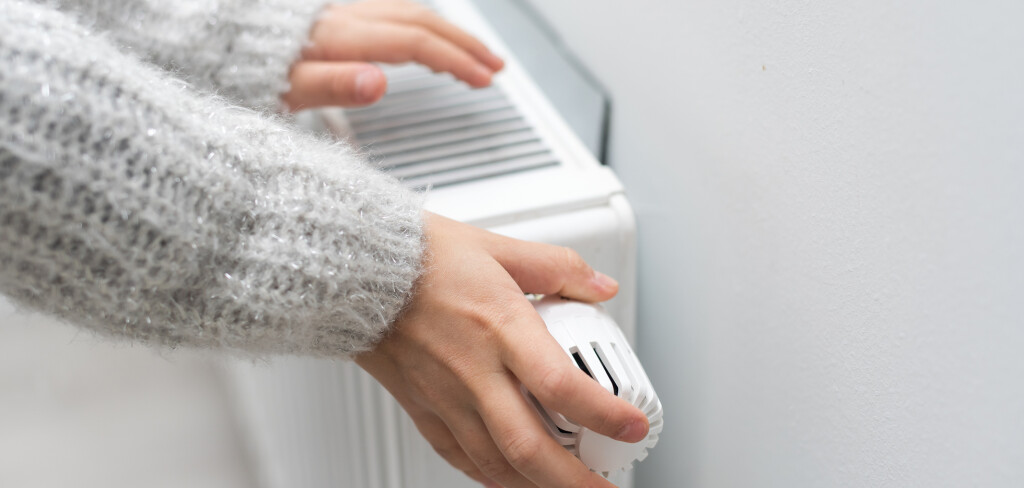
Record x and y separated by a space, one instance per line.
500 158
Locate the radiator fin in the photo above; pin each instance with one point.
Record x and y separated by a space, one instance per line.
431 130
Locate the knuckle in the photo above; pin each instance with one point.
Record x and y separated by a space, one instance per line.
463 369
614 419
417 40
491 313
553 382
573 260
480 312
521 449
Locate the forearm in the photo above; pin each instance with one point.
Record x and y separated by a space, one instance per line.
239 49
136 208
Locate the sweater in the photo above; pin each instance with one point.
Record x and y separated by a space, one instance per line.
143 208
238 49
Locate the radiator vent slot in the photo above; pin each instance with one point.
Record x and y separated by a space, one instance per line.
431 130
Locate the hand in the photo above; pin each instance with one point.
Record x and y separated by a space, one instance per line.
455 358
336 69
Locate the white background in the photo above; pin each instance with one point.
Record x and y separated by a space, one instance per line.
831 234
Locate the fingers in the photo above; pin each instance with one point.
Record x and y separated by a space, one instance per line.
320 83
460 38
429 20
399 43
523 441
545 370
444 443
417 15
547 269
476 441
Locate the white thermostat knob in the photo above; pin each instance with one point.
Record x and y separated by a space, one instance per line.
596 345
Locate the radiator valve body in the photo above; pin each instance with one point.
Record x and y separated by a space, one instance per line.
595 344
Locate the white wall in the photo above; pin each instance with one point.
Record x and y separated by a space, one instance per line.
832 227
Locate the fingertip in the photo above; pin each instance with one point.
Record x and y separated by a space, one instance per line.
605 285
370 85
479 77
493 61
634 431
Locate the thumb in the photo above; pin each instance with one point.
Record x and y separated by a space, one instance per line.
547 269
322 83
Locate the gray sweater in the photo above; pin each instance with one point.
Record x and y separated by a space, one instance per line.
145 207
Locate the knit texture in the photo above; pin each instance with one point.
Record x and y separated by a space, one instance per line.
134 206
239 49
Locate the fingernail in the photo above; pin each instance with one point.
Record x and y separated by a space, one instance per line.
495 62
634 431
481 76
367 85
604 281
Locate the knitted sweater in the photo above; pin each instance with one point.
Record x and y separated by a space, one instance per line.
135 206
239 49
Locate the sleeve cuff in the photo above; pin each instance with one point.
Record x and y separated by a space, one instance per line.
268 37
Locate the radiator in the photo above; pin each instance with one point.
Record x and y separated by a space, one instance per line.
500 158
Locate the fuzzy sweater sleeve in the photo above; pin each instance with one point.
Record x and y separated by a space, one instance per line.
239 49
133 206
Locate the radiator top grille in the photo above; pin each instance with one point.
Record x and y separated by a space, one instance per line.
430 130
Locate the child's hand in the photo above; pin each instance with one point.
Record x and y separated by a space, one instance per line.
335 68
456 357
